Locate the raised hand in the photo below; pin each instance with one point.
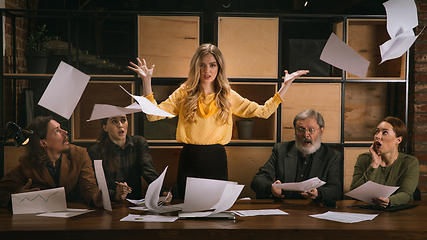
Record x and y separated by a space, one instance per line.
376 157
289 78
142 69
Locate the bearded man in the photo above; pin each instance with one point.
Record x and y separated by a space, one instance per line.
300 160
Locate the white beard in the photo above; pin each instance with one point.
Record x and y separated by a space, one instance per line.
311 148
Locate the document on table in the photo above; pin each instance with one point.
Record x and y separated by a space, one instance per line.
303 186
66 214
102 184
64 90
369 190
149 107
402 17
260 212
49 200
152 199
345 217
148 218
340 55
105 111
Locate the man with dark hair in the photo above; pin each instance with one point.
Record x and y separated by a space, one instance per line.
51 161
300 160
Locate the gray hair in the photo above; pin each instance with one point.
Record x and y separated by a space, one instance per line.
310 114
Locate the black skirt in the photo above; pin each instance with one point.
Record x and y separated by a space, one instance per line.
201 161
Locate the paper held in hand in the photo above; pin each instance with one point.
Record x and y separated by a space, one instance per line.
303 186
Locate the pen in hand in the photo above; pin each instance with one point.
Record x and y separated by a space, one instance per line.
123 185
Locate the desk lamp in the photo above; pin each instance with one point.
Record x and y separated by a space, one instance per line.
20 136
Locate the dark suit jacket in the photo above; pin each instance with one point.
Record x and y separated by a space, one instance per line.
76 176
327 165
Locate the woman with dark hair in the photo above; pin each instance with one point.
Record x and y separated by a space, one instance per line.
387 165
205 104
125 159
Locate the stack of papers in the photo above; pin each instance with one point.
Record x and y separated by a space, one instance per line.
345 217
66 214
250 213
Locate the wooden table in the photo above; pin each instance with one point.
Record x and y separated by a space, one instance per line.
100 224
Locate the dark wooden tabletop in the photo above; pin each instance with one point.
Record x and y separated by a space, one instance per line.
100 224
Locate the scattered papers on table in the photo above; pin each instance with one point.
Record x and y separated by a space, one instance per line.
303 186
345 217
402 17
64 90
66 214
50 200
340 55
148 218
105 111
102 184
261 212
208 194
148 107
369 190
152 199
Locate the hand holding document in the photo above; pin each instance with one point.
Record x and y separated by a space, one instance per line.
370 190
64 90
50 200
102 184
148 107
303 186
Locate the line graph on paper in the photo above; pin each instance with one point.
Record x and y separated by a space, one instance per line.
49 200
39 196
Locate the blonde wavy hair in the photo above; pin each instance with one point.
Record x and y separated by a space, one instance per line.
221 85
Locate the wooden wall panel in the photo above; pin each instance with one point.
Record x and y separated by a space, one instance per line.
11 157
244 163
99 92
350 158
322 97
169 42
365 106
249 46
365 37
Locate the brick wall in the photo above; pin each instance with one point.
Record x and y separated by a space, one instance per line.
418 98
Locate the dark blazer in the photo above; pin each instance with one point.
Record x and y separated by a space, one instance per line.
76 176
327 165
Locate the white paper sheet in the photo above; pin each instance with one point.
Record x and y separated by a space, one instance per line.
66 214
396 47
148 107
148 218
136 202
64 90
152 196
303 186
260 212
101 111
345 217
102 184
340 55
50 200
401 16
369 190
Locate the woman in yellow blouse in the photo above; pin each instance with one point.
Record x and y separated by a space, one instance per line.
205 104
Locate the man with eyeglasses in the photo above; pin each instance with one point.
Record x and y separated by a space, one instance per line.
300 160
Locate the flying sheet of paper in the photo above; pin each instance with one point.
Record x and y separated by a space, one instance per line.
64 90
369 190
102 184
401 16
345 217
260 212
303 186
148 107
105 111
66 214
50 200
340 55
148 218
152 198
